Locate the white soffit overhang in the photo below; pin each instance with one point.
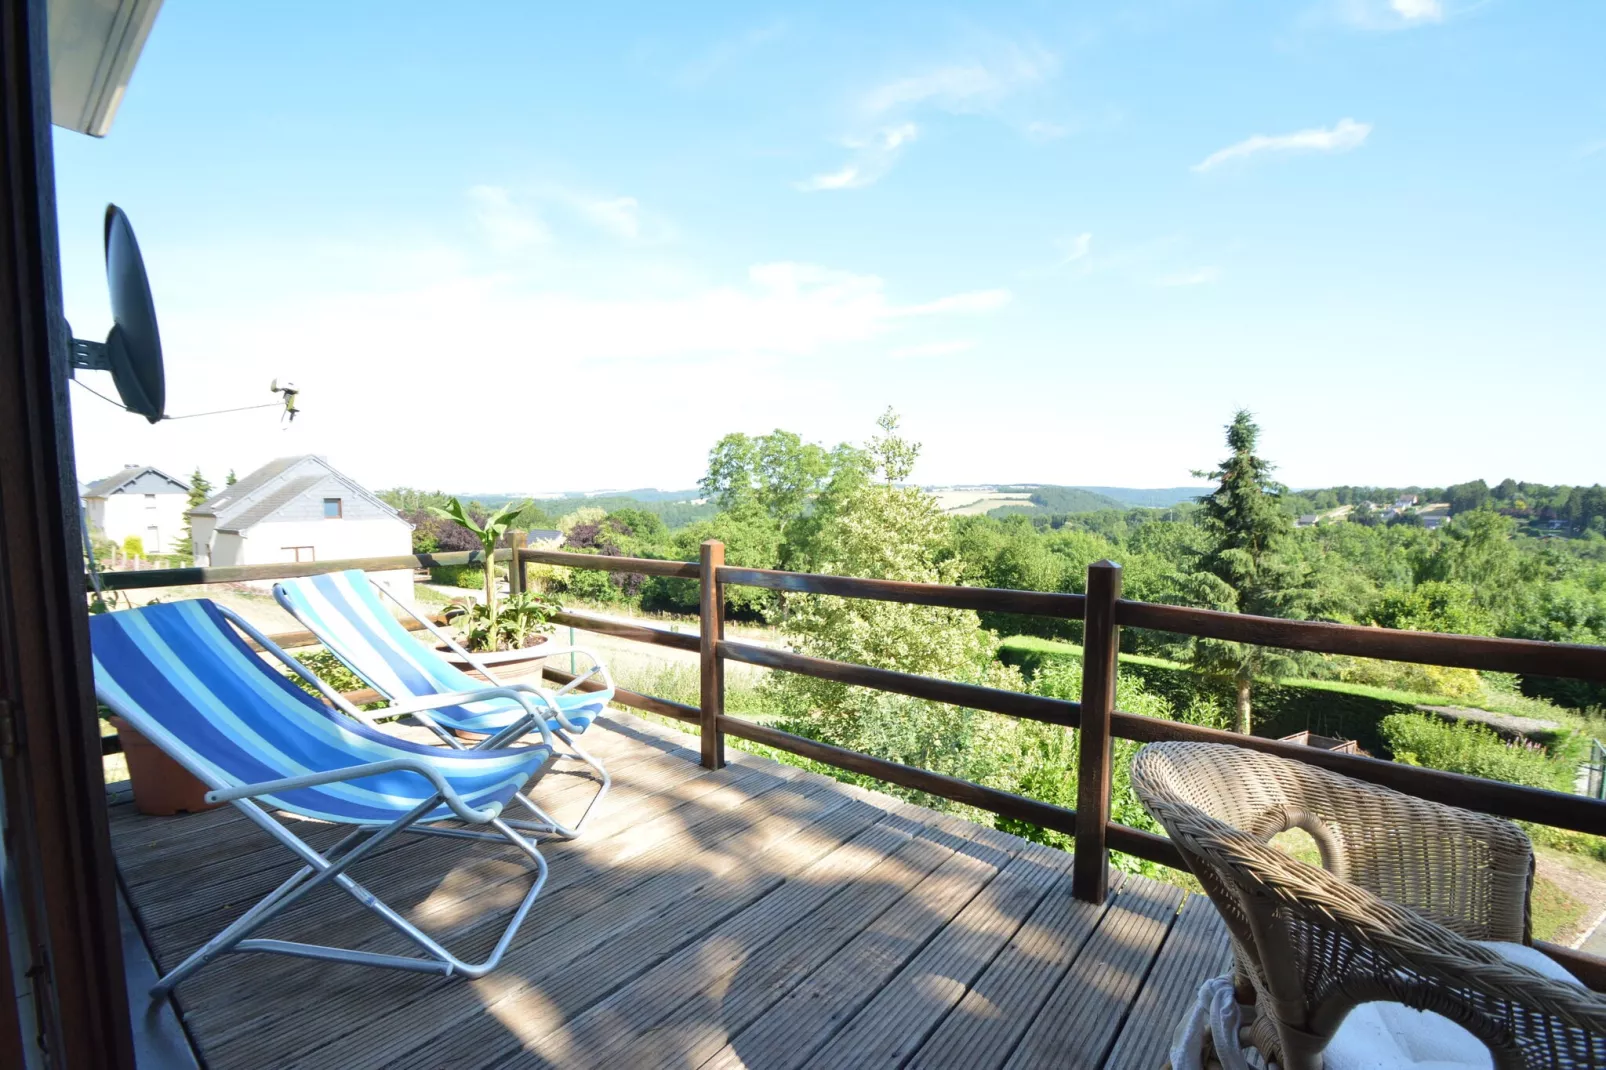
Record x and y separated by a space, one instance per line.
94 45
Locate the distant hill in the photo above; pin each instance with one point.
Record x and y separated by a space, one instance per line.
1160 498
641 494
1049 499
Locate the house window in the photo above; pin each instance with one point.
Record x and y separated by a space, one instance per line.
299 553
150 501
332 509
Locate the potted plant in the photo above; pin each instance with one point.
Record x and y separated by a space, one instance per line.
521 623
490 628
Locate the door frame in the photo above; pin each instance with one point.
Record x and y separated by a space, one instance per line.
57 841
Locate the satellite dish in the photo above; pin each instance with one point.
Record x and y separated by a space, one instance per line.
132 351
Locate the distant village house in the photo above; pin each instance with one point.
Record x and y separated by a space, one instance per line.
141 502
300 509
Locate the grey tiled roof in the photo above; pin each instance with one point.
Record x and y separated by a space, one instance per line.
266 506
101 488
270 488
243 488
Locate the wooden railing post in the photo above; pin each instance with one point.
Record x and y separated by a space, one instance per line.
1100 644
712 606
516 579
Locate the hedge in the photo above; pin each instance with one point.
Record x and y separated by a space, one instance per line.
469 577
1281 707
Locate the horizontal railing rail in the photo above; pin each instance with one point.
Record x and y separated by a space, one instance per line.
145 579
1576 813
973 696
1105 613
1535 658
981 599
647 566
1007 804
619 629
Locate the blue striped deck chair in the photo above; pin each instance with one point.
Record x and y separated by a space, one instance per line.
183 676
344 610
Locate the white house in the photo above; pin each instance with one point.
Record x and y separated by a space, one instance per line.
300 509
140 500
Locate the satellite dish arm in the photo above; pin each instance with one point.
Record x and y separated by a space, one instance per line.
87 354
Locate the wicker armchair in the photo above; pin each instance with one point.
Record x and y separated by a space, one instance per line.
1405 888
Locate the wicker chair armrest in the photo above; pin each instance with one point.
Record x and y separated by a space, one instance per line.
1404 957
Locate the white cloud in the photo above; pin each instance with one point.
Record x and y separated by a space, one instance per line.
509 227
1347 134
1198 277
1042 130
620 216
977 85
781 308
730 52
971 301
515 219
846 178
1418 10
781 329
1385 15
965 87
873 158
934 349
1076 248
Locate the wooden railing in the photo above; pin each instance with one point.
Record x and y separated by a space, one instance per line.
1103 611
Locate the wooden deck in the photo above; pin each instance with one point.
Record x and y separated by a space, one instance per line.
759 916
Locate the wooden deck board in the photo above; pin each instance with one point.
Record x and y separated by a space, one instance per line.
893 1025
757 916
1081 1020
982 1031
615 866
800 1024
1196 950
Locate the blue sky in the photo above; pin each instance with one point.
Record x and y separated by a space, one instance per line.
536 247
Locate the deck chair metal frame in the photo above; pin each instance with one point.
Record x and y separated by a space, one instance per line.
331 866
408 705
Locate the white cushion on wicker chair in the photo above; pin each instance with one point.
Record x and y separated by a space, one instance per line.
1387 1035
1374 1036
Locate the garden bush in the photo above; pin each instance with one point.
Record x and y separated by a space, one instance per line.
1472 749
1045 767
469 577
1281 707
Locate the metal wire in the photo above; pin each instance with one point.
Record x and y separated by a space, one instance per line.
186 416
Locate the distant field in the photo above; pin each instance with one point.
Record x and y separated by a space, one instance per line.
976 502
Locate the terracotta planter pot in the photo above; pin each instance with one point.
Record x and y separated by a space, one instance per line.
162 787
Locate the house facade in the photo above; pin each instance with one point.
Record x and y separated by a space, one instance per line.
141 501
300 509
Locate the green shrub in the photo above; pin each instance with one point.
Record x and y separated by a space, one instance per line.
328 668
590 585
1045 767
1474 750
469 577
1281 707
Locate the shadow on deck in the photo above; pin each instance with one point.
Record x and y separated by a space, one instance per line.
759 916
